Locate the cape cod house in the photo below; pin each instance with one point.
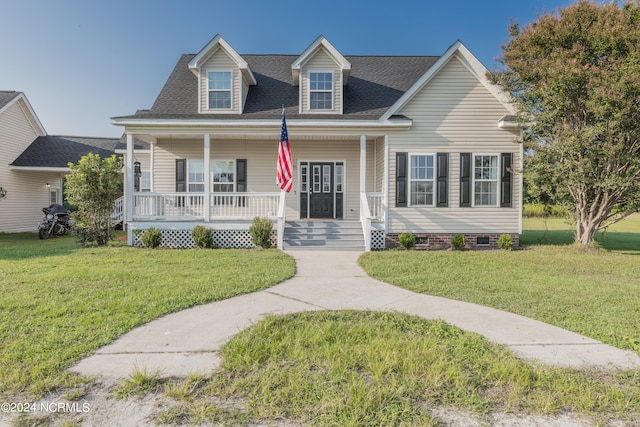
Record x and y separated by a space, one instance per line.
33 163
381 145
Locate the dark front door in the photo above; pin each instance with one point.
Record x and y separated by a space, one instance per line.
321 190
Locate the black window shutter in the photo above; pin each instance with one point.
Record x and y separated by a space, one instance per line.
442 181
401 180
241 175
506 180
465 180
181 175
241 180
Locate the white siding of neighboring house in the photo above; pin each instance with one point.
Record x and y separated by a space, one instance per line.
27 192
261 164
321 61
454 113
220 61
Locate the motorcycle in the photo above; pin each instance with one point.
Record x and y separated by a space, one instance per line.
55 221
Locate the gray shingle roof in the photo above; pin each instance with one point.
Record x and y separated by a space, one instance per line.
6 96
57 151
375 84
138 144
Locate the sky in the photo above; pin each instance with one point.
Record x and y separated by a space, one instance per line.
81 62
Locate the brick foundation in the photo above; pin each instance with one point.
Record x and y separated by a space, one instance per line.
435 241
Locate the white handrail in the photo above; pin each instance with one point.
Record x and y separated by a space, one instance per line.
365 220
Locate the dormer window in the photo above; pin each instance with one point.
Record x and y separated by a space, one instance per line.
320 90
220 96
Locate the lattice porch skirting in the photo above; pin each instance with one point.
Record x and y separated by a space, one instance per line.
179 237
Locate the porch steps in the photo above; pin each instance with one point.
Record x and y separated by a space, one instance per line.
331 235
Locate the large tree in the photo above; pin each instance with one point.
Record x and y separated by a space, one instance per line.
93 185
574 75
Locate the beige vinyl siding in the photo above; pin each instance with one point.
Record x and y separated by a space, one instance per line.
27 192
220 61
454 113
379 163
261 163
165 154
322 62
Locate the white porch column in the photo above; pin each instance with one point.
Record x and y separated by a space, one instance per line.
128 189
363 163
207 177
385 183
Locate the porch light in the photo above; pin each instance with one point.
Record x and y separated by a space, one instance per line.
136 168
47 185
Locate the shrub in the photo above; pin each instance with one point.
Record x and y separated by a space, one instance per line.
261 230
505 241
459 241
202 236
92 185
539 210
151 238
407 240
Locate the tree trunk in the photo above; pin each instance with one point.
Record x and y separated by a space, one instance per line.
585 231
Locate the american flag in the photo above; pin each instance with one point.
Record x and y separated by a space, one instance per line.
284 171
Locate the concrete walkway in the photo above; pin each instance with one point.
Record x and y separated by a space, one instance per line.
188 341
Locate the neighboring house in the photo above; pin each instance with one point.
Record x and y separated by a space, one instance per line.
32 163
390 144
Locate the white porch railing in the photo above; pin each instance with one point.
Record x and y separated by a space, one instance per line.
239 206
376 206
117 215
244 205
372 208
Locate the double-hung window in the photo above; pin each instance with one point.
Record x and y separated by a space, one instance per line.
220 90
485 180
421 180
223 175
195 176
320 91
145 181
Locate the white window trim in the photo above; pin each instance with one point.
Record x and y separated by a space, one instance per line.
433 180
235 171
208 91
332 91
473 180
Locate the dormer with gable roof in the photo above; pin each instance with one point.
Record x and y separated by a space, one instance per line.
321 73
224 78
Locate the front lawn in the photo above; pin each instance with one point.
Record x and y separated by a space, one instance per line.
595 293
59 301
360 368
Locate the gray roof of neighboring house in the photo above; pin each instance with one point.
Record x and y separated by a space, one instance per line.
6 96
375 83
57 151
138 144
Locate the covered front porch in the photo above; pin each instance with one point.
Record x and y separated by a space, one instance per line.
339 177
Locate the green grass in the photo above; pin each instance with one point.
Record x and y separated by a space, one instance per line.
60 301
622 236
359 368
595 292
